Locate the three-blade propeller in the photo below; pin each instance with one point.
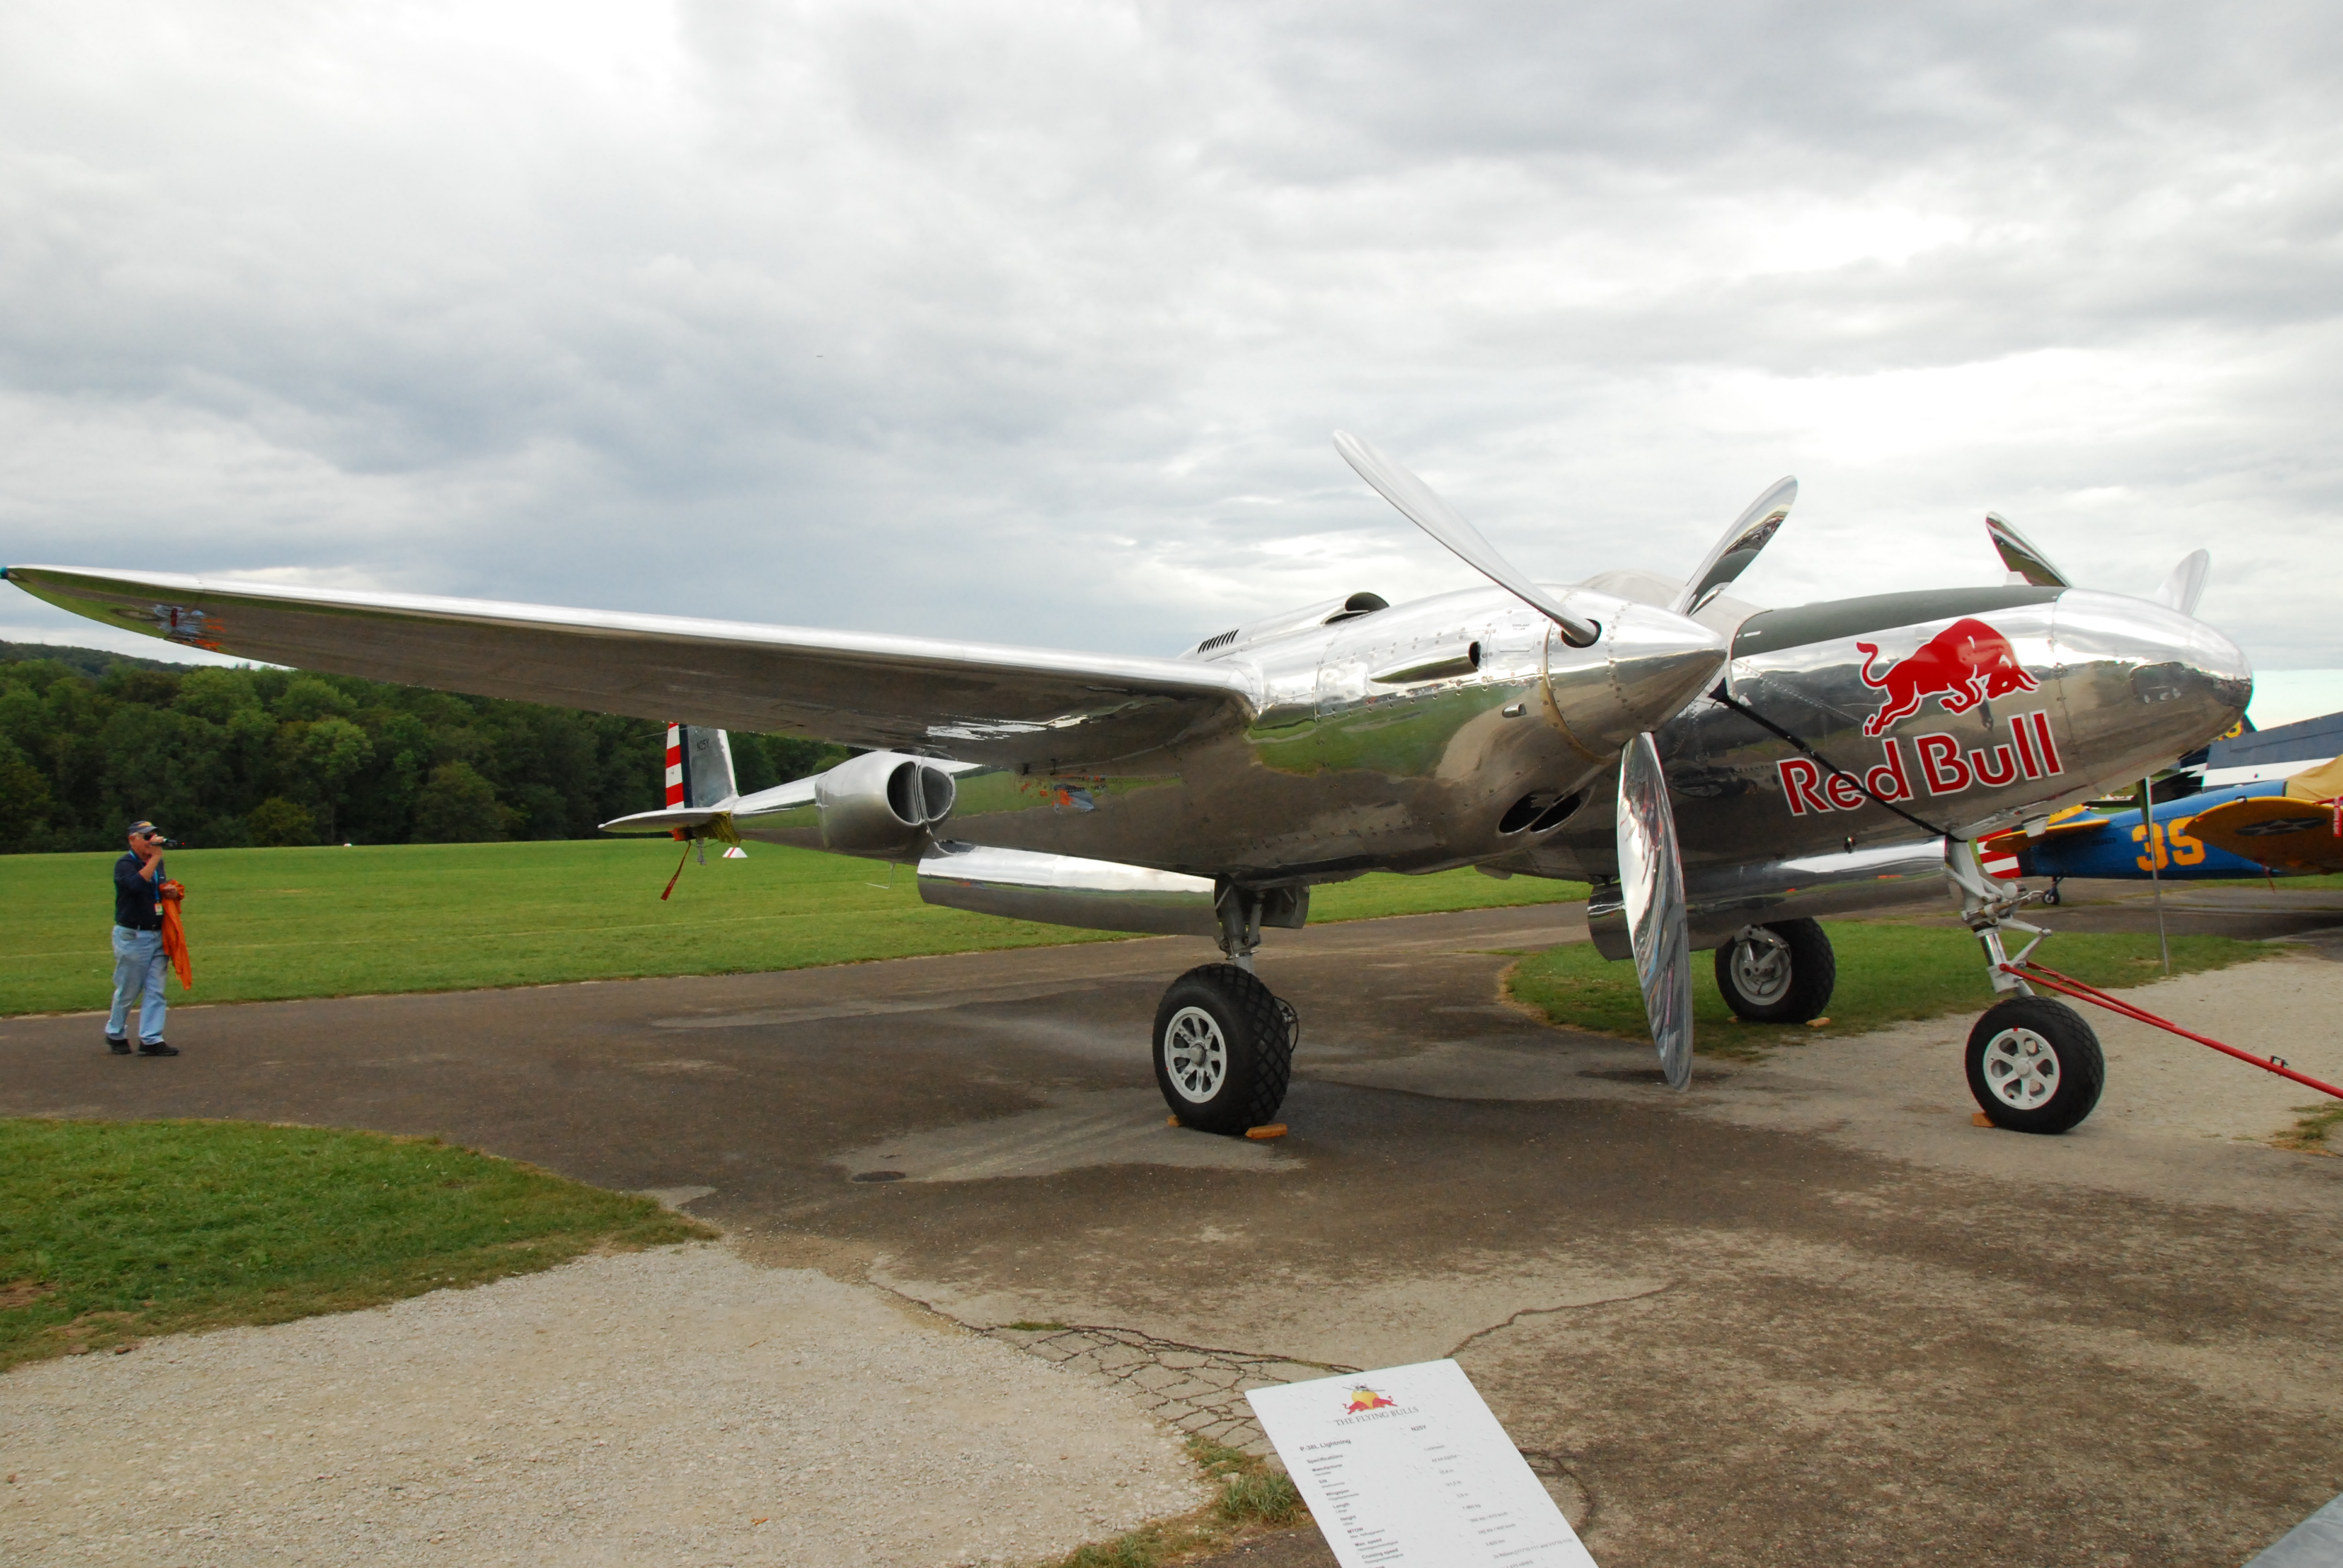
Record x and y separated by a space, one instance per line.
1650 872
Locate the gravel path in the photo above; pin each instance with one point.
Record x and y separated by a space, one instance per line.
675 1406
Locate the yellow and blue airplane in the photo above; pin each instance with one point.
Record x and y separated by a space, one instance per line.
2288 827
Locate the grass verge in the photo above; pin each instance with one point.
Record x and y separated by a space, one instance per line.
1252 1497
2308 1134
112 1231
1888 972
272 924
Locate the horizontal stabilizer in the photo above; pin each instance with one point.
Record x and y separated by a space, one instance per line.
689 818
693 818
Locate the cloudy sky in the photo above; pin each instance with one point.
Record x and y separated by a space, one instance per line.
1030 322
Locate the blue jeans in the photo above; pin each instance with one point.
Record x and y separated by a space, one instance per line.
138 965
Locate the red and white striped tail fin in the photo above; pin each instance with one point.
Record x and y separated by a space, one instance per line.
699 767
675 764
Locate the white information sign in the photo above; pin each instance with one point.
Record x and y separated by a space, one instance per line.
1407 1466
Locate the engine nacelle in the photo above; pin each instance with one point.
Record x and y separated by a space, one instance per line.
880 801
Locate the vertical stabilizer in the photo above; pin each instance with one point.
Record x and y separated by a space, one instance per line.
699 767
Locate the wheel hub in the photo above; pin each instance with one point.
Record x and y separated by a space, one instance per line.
2021 1069
1195 1055
1760 969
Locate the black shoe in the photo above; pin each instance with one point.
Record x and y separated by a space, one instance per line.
118 1045
156 1048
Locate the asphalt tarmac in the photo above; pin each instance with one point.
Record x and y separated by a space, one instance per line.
1806 1313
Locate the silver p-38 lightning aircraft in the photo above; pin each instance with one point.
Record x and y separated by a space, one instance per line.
1721 773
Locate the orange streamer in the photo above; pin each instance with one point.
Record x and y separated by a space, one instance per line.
175 935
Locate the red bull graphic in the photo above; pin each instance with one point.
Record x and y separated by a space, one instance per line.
1363 1398
1962 666
1937 764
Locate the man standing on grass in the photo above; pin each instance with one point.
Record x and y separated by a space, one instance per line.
138 958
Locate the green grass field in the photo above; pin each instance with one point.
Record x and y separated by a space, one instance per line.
269 924
113 1230
2327 882
1888 972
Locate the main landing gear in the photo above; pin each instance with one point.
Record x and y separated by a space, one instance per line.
1780 973
1223 1043
2034 1064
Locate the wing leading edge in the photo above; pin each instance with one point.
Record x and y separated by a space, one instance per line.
978 701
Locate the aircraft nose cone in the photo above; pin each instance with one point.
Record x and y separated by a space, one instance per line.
2228 674
1639 675
2144 683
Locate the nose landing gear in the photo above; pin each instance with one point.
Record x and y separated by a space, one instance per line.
2034 1063
1223 1045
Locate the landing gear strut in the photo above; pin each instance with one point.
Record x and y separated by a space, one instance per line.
1223 1045
2034 1063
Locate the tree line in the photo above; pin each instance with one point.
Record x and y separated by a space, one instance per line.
228 757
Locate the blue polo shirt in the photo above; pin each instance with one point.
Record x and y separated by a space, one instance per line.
137 903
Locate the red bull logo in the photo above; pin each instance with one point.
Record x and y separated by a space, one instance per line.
1962 666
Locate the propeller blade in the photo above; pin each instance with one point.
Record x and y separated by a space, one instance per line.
1749 534
1651 883
1426 510
2186 585
2018 554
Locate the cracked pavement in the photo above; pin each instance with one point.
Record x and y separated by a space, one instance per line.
1803 1313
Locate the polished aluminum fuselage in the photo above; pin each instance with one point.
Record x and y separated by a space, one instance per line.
1463 729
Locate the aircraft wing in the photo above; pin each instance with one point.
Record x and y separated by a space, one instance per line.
2273 830
2073 820
975 701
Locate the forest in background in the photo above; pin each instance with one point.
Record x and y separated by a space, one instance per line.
224 759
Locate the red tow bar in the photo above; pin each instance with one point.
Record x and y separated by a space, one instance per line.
2090 994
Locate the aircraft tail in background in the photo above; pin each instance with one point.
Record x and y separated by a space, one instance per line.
699 768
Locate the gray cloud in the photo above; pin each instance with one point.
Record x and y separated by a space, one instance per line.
1029 322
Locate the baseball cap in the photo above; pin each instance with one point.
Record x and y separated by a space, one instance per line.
143 826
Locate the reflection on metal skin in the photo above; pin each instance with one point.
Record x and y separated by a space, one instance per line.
1061 891
1650 884
2143 683
1721 899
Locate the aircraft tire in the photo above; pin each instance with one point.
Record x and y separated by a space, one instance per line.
1755 986
2034 1065
1223 1049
